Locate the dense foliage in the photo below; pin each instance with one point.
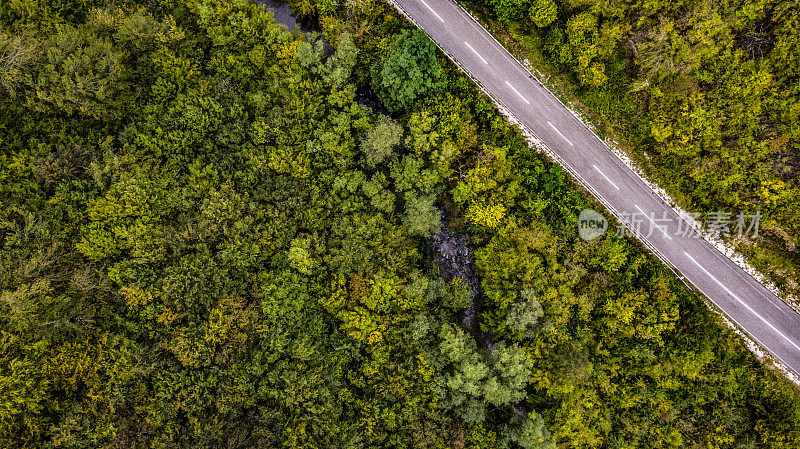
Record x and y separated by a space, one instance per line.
207 241
706 95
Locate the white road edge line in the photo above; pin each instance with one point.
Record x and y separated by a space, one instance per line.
788 366
476 52
517 92
663 231
740 301
607 178
559 133
434 12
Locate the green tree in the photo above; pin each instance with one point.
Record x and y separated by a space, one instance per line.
17 54
83 73
526 432
524 315
380 141
421 216
468 379
409 71
543 12
507 10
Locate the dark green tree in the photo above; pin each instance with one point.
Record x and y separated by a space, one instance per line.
409 71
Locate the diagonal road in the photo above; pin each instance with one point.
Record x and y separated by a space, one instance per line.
755 309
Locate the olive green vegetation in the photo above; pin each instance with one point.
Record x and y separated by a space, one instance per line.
206 241
705 96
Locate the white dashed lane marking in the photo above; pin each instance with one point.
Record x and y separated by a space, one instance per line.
517 92
660 228
559 133
434 12
476 52
607 178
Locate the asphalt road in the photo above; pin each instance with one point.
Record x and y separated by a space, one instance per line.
755 309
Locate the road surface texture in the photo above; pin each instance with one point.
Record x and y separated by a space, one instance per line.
755 309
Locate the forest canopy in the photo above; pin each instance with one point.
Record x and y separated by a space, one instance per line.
218 233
